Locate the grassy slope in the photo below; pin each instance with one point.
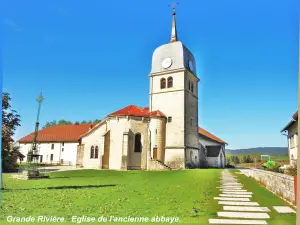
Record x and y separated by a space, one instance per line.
267 199
136 193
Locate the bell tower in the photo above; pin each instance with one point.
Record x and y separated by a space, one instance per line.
174 91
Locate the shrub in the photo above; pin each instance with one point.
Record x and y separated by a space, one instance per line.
229 166
292 170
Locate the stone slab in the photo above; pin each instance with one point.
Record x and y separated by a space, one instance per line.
233 199
238 192
238 203
228 181
284 209
231 187
246 208
244 215
231 184
235 195
240 222
232 190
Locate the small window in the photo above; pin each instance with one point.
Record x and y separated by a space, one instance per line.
92 153
169 119
138 143
162 83
189 85
192 87
63 144
170 82
51 157
62 149
96 152
52 146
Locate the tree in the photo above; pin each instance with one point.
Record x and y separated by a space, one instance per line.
64 122
228 160
249 160
10 121
67 122
50 124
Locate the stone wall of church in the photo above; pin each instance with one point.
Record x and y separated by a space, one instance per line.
93 139
192 158
137 160
191 112
175 158
157 127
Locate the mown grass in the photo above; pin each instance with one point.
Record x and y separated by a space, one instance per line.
266 199
115 193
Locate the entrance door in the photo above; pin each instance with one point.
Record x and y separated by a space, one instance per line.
105 157
41 158
155 153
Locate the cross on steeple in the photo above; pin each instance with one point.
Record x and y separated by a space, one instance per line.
174 31
173 6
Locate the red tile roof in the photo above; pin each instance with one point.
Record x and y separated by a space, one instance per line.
209 135
156 113
59 133
131 110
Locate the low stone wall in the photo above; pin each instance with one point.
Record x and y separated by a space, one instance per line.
280 184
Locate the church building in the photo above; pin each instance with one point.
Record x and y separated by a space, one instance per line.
163 135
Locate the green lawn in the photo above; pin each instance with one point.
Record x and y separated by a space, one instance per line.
115 193
267 199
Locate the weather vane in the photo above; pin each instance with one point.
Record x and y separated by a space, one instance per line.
173 6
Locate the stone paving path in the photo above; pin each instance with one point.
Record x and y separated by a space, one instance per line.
237 206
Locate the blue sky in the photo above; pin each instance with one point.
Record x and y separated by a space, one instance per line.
82 53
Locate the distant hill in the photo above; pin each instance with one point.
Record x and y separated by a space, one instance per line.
261 150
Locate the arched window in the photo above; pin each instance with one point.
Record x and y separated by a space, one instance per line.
137 143
92 154
170 82
96 152
162 83
192 87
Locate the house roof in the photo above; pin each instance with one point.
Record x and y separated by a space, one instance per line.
205 133
59 133
294 119
213 151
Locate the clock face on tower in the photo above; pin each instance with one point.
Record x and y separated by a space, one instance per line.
191 66
166 63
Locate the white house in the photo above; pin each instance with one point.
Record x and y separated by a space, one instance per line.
164 135
291 131
56 144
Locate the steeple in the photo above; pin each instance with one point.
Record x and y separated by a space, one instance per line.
174 31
